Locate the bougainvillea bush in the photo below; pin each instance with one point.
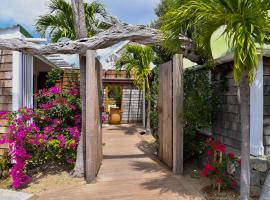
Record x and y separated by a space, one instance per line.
49 133
216 167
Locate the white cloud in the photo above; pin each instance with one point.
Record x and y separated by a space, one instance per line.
22 11
25 12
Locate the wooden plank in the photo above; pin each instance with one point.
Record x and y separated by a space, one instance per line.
164 113
170 117
178 99
5 52
6 83
3 130
98 116
5 91
5 75
160 111
91 121
4 67
5 99
5 106
5 58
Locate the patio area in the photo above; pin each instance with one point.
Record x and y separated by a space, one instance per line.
127 172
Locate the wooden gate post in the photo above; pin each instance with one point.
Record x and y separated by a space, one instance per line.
178 99
91 121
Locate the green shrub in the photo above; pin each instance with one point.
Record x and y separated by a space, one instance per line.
5 164
56 74
154 99
199 105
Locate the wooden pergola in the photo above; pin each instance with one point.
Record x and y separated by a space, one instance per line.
86 47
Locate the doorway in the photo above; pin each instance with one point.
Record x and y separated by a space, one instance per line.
114 103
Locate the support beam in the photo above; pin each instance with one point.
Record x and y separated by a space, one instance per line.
91 119
178 99
256 112
135 33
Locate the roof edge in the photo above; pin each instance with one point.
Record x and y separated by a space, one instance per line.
230 57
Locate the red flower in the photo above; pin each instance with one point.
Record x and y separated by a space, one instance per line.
208 141
219 180
231 155
239 162
207 168
233 183
210 152
218 146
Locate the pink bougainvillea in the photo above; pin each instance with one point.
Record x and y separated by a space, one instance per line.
49 133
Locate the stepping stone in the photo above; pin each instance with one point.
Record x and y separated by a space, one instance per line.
14 195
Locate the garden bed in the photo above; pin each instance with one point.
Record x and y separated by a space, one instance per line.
211 194
47 178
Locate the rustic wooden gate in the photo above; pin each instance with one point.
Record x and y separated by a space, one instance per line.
170 107
93 116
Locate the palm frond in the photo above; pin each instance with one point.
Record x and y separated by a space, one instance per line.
246 23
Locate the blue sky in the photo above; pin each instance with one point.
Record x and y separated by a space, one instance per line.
25 12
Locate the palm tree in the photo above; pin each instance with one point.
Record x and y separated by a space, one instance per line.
246 23
58 23
138 59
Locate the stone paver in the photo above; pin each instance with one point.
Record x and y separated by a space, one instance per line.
127 173
13 195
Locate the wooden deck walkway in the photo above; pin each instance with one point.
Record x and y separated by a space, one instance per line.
127 173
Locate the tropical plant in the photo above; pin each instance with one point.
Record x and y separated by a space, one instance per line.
56 74
138 59
245 23
59 22
200 103
48 134
154 101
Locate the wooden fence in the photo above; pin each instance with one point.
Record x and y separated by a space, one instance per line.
170 108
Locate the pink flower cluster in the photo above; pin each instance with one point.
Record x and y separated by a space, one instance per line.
54 133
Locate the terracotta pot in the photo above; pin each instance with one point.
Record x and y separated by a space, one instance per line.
115 116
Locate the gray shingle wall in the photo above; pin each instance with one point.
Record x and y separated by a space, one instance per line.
226 123
266 120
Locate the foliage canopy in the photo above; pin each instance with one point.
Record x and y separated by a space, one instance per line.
58 23
245 23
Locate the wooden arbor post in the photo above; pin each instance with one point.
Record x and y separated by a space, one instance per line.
93 121
178 101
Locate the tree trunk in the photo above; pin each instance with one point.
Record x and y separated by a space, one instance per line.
148 127
81 32
143 111
245 145
79 18
265 194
